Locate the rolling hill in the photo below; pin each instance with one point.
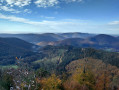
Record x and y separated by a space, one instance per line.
77 35
57 57
117 37
104 39
13 47
47 37
101 41
35 38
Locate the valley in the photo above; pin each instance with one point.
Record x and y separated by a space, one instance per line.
64 62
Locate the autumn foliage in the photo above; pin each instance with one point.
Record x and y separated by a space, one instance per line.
51 83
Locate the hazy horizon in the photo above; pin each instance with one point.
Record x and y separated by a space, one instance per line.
62 32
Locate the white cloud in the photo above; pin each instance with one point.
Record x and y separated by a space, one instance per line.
46 3
73 1
46 25
27 11
14 6
114 23
27 21
51 3
65 25
45 22
18 19
5 8
19 3
12 10
47 17
10 5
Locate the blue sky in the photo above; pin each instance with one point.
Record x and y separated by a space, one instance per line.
40 16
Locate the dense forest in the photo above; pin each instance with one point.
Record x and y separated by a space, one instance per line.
62 68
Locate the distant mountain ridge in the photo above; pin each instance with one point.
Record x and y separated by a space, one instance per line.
103 38
47 37
77 35
101 41
34 38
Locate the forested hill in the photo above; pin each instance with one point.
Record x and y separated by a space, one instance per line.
58 57
12 47
66 67
15 42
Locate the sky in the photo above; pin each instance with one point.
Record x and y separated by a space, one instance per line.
59 16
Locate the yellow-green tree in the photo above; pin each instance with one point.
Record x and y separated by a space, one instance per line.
85 79
51 83
73 85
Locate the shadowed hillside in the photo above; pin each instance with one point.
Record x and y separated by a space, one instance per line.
13 47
